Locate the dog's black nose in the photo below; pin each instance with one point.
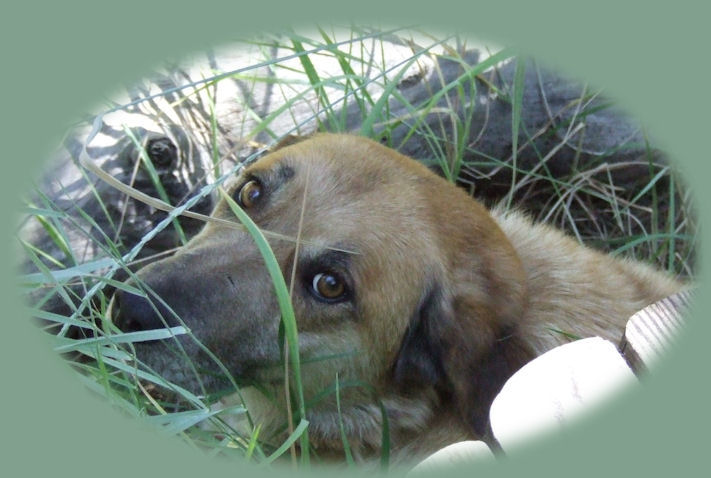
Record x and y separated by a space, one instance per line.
135 313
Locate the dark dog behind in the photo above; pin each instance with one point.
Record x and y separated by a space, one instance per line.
401 281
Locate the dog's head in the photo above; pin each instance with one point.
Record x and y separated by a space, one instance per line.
399 280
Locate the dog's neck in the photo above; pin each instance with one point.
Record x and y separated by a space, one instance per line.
411 430
571 288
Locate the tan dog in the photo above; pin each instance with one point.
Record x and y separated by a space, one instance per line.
402 282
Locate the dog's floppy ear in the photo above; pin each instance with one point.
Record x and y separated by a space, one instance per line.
466 358
419 361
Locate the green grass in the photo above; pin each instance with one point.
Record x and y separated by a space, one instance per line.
653 221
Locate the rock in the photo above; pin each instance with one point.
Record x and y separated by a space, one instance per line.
551 392
651 331
455 455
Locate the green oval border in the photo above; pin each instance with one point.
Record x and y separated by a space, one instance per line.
59 58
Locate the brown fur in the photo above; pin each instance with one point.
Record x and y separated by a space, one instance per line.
446 299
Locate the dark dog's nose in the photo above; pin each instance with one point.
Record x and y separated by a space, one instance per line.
135 313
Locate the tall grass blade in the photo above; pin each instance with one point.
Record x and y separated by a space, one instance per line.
287 311
299 434
516 108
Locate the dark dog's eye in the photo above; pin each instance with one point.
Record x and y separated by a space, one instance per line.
162 152
328 287
249 194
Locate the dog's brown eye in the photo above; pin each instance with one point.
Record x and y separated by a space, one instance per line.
328 286
250 193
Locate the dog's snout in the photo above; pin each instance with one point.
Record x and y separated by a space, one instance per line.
135 313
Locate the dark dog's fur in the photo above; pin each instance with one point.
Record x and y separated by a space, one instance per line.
401 281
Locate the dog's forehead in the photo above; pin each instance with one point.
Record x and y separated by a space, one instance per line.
346 185
340 165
